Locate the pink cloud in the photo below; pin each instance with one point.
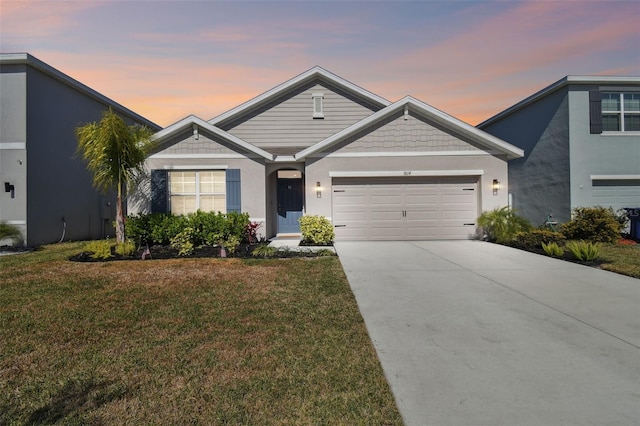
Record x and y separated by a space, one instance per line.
502 53
26 20
160 89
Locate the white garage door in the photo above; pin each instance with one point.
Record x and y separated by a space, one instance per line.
616 193
405 208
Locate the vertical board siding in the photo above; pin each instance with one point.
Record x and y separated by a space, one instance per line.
234 203
290 122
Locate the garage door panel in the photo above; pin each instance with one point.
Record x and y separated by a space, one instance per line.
459 217
616 194
418 209
385 233
421 200
390 216
425 215
385 200
423 233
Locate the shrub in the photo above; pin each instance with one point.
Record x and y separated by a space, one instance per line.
316 230
183 242
11 232
168 227
206 227
126 248
231 243
501 225
597 224
100 249
534 239
325 253
553 249
237 224
584 250
251 232
264 250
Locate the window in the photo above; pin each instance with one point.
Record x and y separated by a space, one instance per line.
318 111
620 112
197 190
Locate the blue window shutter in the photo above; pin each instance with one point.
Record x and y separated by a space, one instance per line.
159 191
233 191
595 112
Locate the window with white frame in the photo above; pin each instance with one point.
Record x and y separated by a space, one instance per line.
197 190
318 111
620 112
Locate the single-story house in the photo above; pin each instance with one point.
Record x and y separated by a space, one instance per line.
318 144
45 189
581 138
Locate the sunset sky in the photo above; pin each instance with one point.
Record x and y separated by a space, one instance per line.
472 59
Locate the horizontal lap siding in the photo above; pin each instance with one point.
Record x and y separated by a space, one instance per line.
290 122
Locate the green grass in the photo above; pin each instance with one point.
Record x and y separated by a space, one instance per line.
621 259
197 341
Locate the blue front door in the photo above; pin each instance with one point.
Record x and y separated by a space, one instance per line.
290 195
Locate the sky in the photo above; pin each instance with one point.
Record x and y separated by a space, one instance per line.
167 59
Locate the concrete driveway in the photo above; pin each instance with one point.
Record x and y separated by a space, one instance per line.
473 333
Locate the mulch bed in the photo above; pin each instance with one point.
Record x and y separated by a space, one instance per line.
166 252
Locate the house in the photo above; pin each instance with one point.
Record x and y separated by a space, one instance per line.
45 189
581 138
318 144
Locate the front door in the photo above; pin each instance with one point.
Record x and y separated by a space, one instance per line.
290 196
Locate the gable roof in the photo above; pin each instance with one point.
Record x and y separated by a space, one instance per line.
563 82
433 115
191 121
27 59
307 76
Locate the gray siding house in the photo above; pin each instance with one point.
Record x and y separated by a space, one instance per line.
318 144
581 138
45 190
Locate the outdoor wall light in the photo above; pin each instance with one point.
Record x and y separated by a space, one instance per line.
10 188
318 190
496 186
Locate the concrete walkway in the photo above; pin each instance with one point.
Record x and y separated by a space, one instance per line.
472 333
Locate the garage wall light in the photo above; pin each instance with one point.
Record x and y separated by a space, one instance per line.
496 186
318 190
8 187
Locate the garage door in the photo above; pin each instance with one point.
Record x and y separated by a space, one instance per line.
404 208
616 193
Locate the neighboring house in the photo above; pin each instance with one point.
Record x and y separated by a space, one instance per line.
45 189
318 144
581 137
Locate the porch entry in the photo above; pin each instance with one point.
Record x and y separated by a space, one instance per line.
290 201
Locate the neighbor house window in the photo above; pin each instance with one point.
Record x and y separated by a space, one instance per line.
620 112
197 190
318 112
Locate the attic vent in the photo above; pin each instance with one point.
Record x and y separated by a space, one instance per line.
318 111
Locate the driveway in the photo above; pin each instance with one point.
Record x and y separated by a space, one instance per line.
473 333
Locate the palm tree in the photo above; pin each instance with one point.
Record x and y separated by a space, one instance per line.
115 154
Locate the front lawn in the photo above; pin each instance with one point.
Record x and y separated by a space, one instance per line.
621 259
184 341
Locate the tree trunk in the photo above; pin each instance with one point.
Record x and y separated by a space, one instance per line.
119 217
